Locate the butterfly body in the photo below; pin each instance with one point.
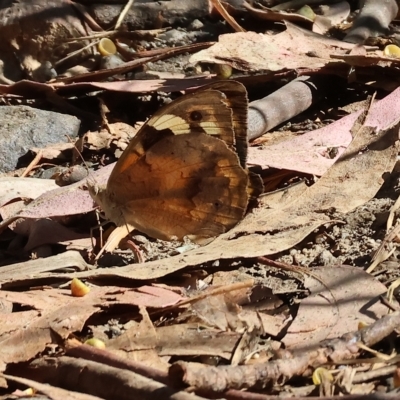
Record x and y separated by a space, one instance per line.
184 173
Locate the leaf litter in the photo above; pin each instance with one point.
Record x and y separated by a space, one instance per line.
222 317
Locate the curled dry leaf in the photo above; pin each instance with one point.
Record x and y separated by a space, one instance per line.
269 14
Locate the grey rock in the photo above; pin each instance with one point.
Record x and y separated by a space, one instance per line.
326 258
175 37
196 25
22 128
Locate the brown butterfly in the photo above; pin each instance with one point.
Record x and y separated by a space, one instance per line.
184 173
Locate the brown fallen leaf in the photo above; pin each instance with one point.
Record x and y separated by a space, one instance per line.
226 16
292 49
269 14
371 59
68 200
36 89
139 343
228 311
320 316
46 231
56 311
65 260
53 151
310 150
180 340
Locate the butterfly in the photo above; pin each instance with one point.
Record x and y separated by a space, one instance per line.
184 173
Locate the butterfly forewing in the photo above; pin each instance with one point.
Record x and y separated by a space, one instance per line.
205 111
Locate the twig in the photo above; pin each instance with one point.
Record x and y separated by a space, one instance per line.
32 164
123 14
51 391
220 379
107 382
226 16
376 373
240 395
389 305
106 357
76 52
386 248
374 18
86 16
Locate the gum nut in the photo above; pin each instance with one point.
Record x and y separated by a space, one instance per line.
99 344
107 47
223 71
78 288
392 50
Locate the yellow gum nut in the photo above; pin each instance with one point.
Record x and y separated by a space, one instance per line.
107 47
99 344
362 325
223 71
78 288
392 50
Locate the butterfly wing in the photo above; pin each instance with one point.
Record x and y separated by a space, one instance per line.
184 185
181 175
206 110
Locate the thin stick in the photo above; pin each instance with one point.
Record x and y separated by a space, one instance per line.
123 13
76 52
32 164
226 16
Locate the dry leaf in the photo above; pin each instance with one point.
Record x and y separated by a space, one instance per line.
310 151
291 49
24 334
321 316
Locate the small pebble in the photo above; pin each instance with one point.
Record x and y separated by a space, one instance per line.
196 25
326 258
